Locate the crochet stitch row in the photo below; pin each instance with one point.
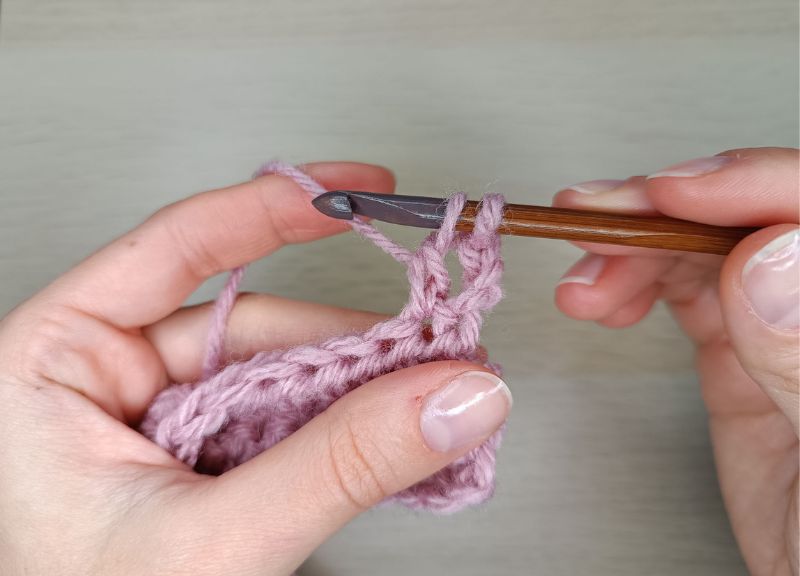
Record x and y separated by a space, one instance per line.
234 413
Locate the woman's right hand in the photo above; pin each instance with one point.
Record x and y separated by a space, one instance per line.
742 312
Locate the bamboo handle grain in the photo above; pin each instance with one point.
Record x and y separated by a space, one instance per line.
587 226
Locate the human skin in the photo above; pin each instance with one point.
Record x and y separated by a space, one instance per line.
82 493
742 317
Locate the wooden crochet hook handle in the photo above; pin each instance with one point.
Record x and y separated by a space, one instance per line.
540 222
587 226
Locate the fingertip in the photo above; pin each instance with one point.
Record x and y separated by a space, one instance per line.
610 196
465 411
678 198
746 187
288 208
352 176
296 209
575 293
306 222
760 305
565 198
597 186
761 277
580 301
694 168
597 286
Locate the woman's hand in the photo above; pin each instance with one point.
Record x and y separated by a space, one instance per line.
83 493
743 313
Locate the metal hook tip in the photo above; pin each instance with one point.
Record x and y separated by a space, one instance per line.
335 204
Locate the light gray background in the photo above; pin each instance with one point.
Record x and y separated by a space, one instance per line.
109 109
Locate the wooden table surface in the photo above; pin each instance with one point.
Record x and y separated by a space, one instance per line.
110 109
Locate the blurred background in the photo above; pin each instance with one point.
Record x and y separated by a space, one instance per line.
110 109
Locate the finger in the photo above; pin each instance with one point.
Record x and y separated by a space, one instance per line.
746 187
597 286
150 271
376 441
760 298
612 196
634 310
690 286
258 322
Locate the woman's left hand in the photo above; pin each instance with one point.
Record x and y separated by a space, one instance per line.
81 492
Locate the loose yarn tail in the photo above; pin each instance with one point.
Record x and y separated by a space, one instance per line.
223 306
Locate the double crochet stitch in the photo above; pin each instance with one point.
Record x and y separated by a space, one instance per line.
237 411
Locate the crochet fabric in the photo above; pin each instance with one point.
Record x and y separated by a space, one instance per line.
237 411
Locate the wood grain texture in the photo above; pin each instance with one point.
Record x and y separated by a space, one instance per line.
586 226
110 109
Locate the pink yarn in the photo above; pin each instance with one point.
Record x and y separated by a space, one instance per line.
236 412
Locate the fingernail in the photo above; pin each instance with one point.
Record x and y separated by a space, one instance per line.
469 408
696 167
771 281
584 271
596 186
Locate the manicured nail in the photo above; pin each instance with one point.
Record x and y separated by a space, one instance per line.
771 281
585 271
696 167
596 186
469 408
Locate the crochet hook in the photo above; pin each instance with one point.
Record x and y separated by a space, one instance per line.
539 221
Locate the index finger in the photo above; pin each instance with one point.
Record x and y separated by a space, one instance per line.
149 272
746 187
743 187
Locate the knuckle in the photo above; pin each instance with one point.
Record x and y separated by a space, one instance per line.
188 240
41 342
360 470
281 225
276 224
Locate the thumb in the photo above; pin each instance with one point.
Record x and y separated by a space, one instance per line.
374 442
760 298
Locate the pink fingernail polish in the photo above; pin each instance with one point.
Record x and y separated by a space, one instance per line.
771 281
691 168
596 186
469 408
585 271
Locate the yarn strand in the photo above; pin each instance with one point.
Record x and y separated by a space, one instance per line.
241 409
223 307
